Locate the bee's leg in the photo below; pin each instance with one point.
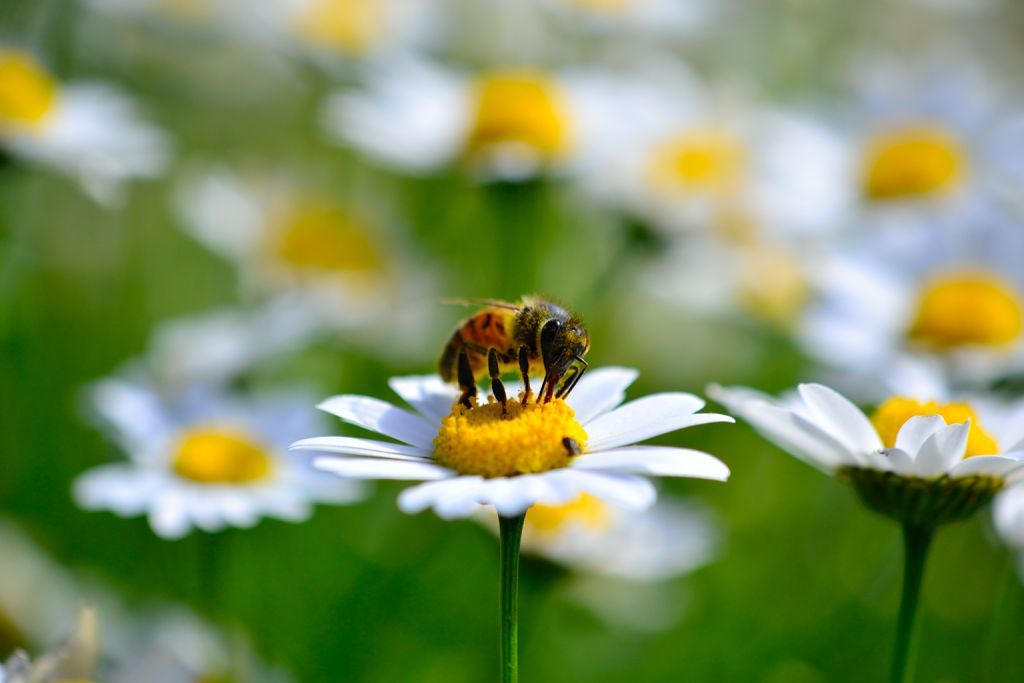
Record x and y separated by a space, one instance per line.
548 387
466 380
524 368
578 369
497 388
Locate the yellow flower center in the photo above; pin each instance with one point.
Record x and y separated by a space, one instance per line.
585 510
321 236
889 417
352 26
221 456
967 308
27 92
912 162
528 438
707 162
523 107
607 6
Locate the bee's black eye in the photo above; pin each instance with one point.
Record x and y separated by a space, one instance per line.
548 333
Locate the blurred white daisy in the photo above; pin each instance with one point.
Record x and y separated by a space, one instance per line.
332 263
685 158
205 460
953 296
529 455
928 140
72 660
506 124
591 536
89 131
355 28
923 462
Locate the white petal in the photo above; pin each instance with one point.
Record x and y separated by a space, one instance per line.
625 490
599 391
917 430
839 417
419 498
378 468
785 429
942 450
382 417
169 516
647 417
1008 514
991 465
898 461
355 446
654 460
428 394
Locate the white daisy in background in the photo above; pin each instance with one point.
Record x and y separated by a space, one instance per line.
332 263
474 457
927 141
684 158
952 297
72 660
89 131
593 537
205 460
354 28
504 124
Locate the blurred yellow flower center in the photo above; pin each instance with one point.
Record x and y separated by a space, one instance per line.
27 92
519 107
531 438
586 511
912 162
703 161
352 26
221 456
772 285
889 417
609 6
968 308
325 237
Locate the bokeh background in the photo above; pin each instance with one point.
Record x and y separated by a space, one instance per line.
804 587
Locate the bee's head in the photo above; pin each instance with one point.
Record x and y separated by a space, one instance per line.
562 342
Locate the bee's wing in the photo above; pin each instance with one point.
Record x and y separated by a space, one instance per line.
497 303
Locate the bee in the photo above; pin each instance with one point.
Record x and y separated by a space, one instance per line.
536 333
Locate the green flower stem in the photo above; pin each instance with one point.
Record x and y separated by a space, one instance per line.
916 540
511 534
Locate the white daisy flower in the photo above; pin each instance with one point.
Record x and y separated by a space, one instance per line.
505 124
89 131
591 536
332 263
354 28
928 141
953 296
205 460
474 457
906 445
684 158
72 660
